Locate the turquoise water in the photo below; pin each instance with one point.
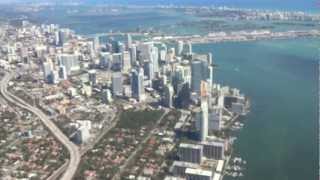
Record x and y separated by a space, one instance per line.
280 77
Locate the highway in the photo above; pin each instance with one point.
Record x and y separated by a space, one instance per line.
74 152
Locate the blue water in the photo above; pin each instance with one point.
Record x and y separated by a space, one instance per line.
279 140
290 5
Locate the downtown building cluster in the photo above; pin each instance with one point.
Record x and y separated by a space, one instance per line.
141 72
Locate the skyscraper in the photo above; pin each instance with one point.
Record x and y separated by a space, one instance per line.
70 61
126 62
149 70
129 41
105 60
200 71
137 84
196 75
179 48
155 59
133 54
168 96
204 126
117 84
189 48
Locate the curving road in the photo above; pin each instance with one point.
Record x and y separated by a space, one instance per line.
74 152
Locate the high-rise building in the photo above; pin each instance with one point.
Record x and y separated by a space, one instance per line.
215 119
105 60
117 84
200 71
117 62
213 149
209 59
190 153
129 41
196 75
70 61
189 48
179 48
60 38
168 96
137 84
133 54
204 126
145 51
126 62
149 70
155 59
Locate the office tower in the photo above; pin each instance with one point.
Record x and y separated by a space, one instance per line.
209 58
215 119
196 75
105 60
133 54
92 77
144 51
155 59
126 62
137 84
117 84
149 70
189 48
116 62
200 71
168 96
190 153
198 174
179 48
129 41
204 126
70 61
213 149
210 76
63 73
60 38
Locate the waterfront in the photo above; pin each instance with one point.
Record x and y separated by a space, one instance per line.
279 138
